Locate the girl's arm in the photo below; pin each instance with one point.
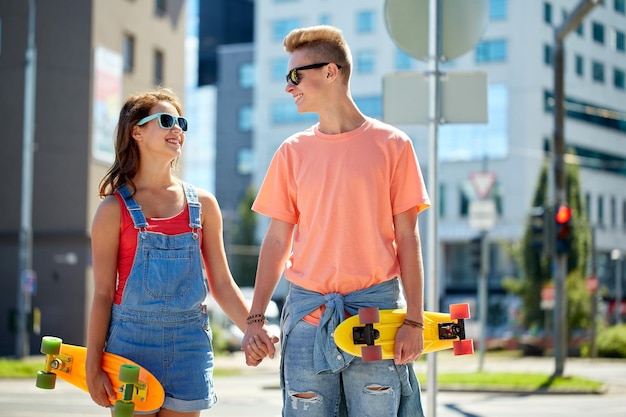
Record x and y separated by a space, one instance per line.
105 235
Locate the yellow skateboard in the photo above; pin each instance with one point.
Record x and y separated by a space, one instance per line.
372 333
137 389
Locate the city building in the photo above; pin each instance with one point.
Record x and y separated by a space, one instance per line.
90 55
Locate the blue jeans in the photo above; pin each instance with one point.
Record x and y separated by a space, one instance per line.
371 389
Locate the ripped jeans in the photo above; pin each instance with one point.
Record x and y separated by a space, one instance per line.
371 389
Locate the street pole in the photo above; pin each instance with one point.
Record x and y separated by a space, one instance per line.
22 343
434 47
559 261
483 297
616 256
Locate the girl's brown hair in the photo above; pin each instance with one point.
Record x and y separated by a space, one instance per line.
127 159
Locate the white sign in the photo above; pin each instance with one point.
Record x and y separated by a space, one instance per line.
463 98
482 181
482 214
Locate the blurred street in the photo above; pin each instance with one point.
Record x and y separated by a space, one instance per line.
254 392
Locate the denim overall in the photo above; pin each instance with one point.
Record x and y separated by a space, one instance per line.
161 322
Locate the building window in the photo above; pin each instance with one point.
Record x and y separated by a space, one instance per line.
601 210
244 119
491 51
613 212
597 32
128 53
620 6
442 200
619 41
158 67
246 75
580 30
497 9
365 22
618 78
365 61
279 69
597 71
547 13
580 65
404 61
624 213
588 205
245 161
281 28
284 112
160 7
547 54
372 106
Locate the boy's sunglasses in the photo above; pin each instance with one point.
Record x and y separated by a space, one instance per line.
293 76
166 121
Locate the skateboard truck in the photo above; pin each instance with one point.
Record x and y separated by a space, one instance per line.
365 335
452 330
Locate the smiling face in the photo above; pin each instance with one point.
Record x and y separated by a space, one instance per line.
154 140
311 92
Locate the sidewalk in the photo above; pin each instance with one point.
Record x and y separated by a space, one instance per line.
612 372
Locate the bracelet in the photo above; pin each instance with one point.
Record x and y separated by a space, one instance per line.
413 323
255 318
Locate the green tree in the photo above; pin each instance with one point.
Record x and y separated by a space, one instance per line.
536 267
244 248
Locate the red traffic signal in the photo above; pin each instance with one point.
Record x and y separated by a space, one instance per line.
563 215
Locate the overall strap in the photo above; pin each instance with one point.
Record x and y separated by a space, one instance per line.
133 208
195 208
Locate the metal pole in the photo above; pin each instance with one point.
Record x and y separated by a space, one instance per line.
22 343
559 261
483 297
594 296
433 241
616 256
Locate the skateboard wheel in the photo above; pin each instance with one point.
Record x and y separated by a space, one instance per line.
129 374
372 353
46 380
51 345
124 409
463 347
369 315
459 311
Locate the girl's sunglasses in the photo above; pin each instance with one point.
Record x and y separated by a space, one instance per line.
166 121
293 76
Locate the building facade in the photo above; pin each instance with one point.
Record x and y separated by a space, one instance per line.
88 61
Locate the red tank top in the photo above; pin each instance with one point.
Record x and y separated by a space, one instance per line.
128 240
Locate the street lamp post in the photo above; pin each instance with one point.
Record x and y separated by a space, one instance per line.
616 256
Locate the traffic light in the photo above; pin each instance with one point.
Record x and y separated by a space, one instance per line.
537 232
563 218
475 253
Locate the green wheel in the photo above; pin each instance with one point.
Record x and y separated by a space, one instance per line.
129 374
123 409
46 380
51 345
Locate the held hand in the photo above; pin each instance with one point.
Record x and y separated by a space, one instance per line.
100 388
409 345
258 343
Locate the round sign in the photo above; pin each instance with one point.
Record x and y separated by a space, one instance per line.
462 23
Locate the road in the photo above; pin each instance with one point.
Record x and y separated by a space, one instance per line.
255 393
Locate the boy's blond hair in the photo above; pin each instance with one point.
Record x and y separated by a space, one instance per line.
323 44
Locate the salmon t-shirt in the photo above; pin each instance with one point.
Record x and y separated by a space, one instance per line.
342 192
